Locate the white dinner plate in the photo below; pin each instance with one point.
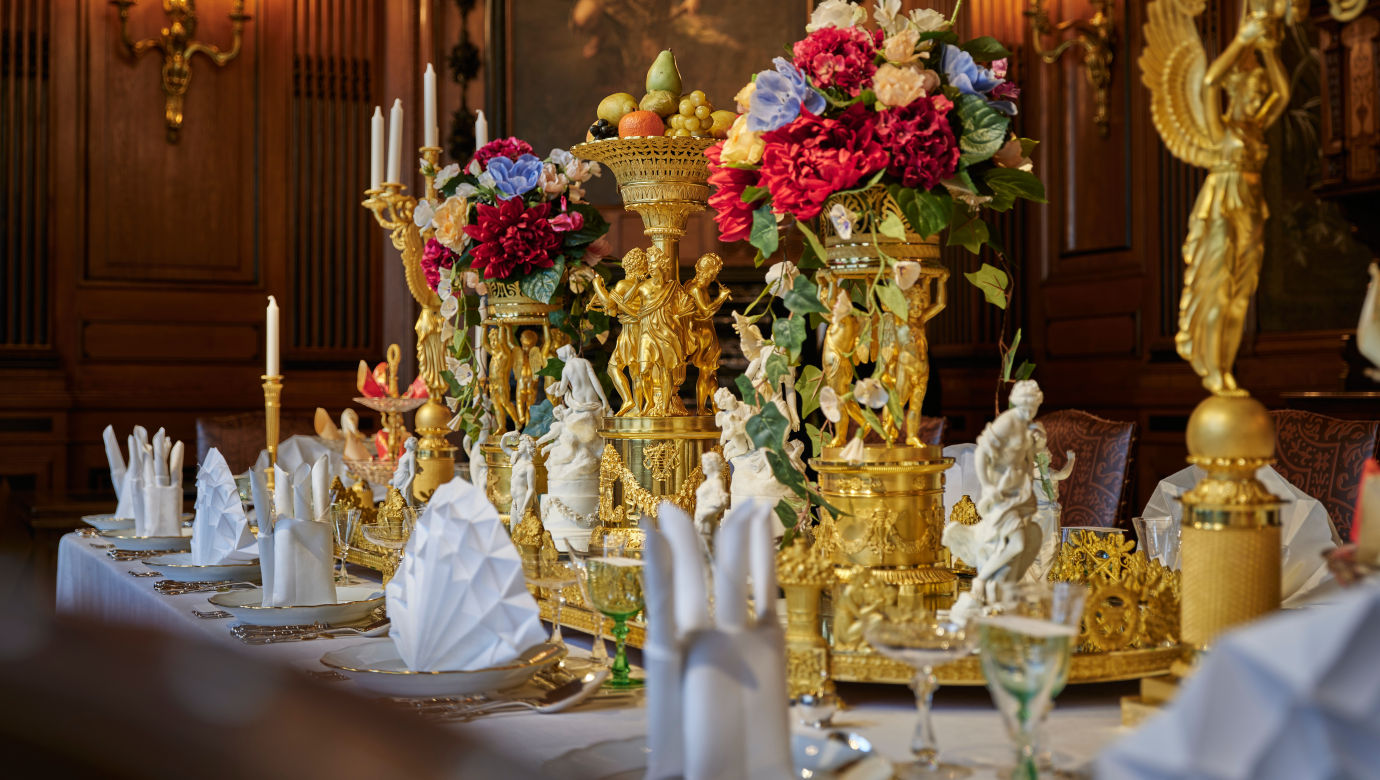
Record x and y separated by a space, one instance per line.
126 540
178 567
816 755
353 604
108 522
378 668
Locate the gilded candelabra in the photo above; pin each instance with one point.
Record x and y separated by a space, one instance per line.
1215 115
178 47
393 210
273 393
1095 36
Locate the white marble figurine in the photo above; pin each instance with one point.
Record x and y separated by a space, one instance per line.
407 469
1048 510
1006 541
732 420
474 448
524 475
711 499
579 386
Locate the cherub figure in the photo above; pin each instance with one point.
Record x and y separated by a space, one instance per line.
914 361
840 342
702 342
529 361
620 302
500 369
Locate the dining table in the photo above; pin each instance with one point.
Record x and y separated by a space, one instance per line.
93 585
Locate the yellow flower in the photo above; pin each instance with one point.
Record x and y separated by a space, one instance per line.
900 48
743 145
897 86
449 221
744 97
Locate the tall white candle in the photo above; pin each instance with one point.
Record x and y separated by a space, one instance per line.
481 130
271 363
376 150
429 105
395 142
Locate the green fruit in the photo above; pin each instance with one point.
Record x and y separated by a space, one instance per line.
661 102
664 75
613 107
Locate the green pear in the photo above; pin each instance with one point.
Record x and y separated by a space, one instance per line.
664 75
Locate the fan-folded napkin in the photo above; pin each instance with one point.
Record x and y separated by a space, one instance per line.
295 553
161 462
220 532
459 600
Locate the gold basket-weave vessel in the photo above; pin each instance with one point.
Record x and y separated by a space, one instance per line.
653 169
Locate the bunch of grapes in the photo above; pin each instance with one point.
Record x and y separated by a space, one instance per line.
693 119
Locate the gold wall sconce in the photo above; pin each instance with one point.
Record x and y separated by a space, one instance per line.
1346 10
178 47
1096 37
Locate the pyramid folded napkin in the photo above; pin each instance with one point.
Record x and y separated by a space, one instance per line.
1306 533
1291 696
459 600
220 532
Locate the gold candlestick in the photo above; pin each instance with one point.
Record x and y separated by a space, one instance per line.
393 210
273 392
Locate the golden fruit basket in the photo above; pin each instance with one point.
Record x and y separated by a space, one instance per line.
654 170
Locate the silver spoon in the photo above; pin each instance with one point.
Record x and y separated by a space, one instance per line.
560 698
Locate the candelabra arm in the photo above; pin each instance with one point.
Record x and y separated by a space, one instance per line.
1095 36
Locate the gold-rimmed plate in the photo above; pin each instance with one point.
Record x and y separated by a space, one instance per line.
127 541
178 567
353 604
109 522
376 666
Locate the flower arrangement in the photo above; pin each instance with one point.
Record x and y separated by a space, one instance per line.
512 218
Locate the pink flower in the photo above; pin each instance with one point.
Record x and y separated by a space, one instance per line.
511 239
567 221
510 147
840 57
920 142
598 249
552 181
812 158
435 256
733 216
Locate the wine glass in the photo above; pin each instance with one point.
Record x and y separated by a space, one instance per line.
599 653
1026 648
344 519
1159 539
555 578
613 580
391 532
923 643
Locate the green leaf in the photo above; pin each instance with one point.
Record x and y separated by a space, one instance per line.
767 428
764 235
816 439
1024 371
751 194
789 333
984 128
808 388
1028 146
893 405
785 473
746 390
892 299
812 243
594 226
541 285
803 297
872 420
777 368
539 421
985 48
786 513
992 282
966 229
552 368
893 227
928 212
1010 358
1016 183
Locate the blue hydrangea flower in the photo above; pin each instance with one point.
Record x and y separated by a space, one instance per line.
514 178
780 96
969 77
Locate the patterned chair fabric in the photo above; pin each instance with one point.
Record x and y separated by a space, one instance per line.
1095 493
932 430
240 437
1323 457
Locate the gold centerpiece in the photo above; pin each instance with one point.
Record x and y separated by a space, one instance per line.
654 440
393 210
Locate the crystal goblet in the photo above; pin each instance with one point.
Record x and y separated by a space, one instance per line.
391 533
614 584
1159 539
555 578
922 643
599 653
344 519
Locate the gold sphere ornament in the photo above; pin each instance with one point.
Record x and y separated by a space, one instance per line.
1231 427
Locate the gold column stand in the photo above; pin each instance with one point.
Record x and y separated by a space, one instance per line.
273 393
648 460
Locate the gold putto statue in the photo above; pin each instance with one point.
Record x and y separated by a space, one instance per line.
1225 242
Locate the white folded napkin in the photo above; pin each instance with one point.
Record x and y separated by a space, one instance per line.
727 714
161 513
459 600
114 459
131 492
220 532
1306 531
1294 695
961 478
296 551
298 450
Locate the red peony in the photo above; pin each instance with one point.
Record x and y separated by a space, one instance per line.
841 57
733 216
510 147
920 141
511 239
812 158
435 257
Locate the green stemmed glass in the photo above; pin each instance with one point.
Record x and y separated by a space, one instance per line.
613 580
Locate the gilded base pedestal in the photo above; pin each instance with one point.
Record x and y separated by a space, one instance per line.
501 475
648 460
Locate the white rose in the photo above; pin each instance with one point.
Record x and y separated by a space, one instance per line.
466 191
447 173
928 20
870 392
888 16
835 13
450 306
781 278
422 215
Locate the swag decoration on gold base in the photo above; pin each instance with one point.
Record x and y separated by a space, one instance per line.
654 441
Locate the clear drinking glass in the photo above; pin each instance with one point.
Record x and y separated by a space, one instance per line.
555 578
923 643
614 584
1026 649
391 533
599 653
344 520
1159 539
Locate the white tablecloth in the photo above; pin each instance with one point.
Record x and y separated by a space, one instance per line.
969 728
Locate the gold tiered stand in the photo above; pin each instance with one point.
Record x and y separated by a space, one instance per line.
393 210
